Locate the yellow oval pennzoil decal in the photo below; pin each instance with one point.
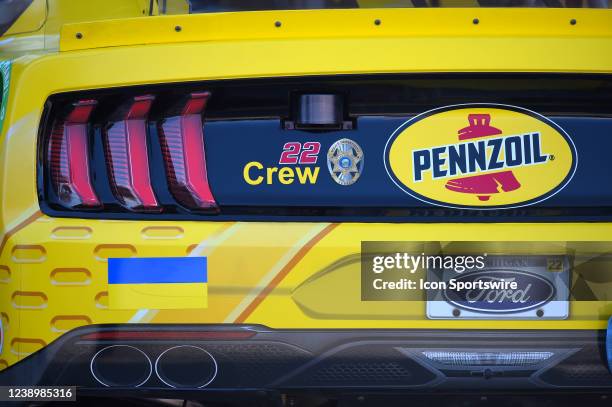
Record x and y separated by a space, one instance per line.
480 156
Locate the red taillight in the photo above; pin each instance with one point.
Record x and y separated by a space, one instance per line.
127 156
182 141
69 158
120 142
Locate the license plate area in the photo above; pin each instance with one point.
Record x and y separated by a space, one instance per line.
542 289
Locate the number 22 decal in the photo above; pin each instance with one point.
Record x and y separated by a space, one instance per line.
297 153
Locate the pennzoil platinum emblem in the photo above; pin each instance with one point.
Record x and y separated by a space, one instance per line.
345 161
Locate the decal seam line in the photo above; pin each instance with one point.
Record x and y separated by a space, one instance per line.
284 271
30 219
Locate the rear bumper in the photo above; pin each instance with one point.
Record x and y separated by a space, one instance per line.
217 358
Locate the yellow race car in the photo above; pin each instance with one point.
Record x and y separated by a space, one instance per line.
212 196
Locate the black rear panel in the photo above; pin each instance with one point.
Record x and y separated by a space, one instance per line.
256 357
254 121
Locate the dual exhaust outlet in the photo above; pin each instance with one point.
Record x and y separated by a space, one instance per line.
184 366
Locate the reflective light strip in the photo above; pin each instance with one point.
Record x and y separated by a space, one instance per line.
501 358
168 335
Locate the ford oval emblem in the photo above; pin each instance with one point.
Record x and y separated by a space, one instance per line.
532 291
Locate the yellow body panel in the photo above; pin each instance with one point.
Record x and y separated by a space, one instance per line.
53 270
257 273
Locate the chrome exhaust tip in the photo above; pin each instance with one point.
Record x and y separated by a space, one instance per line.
121 366
186 366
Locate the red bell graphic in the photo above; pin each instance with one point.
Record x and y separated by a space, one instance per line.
483 186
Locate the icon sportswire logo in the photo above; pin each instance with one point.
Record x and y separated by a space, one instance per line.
480 156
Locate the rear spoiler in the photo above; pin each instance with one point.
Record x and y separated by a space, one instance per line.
339 24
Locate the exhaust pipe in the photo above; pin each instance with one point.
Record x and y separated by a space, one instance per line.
121 366
186 366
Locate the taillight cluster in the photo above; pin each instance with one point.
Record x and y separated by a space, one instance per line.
125 135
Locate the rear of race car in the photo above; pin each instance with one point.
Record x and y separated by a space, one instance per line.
373 199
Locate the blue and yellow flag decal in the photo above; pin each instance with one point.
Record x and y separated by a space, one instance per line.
158 283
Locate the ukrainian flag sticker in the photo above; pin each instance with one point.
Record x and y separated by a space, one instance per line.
158 283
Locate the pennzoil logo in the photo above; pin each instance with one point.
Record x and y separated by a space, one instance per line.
480 156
